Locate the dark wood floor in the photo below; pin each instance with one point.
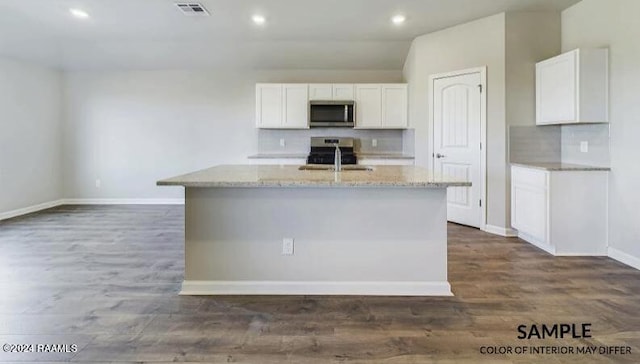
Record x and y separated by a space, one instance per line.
107 279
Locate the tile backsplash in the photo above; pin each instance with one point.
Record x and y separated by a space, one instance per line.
560 143
596 137
297 141
535 144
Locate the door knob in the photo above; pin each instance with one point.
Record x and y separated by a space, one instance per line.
440 155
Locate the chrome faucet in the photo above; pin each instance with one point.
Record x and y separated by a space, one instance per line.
337 159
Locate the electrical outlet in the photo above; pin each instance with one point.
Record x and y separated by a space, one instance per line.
287 246
282 142
374 142
98 183
584 147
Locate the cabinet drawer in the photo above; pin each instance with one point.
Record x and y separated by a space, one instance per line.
529 176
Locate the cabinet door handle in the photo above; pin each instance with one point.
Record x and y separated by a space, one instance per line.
440 155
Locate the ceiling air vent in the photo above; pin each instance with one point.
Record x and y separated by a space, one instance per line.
192 9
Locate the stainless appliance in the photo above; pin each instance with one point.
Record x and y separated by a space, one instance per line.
332 113
323 150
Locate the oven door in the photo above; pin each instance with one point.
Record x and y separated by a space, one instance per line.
332 113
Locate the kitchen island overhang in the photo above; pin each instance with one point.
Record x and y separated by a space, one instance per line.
380 232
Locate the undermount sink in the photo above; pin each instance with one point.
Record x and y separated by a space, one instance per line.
351 167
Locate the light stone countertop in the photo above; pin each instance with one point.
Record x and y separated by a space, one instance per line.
377 155
279 155
363 155
290 176
559 166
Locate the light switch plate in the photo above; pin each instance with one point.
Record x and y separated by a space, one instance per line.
374 142
282 142
287 246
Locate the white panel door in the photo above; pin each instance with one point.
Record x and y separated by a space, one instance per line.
296 111
368 106
268 105
456 139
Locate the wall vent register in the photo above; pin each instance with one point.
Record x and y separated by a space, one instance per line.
192 9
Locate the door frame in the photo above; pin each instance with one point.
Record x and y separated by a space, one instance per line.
483 129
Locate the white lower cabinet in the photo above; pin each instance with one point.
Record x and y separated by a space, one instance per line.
562 212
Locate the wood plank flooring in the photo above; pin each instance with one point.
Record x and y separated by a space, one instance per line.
106 278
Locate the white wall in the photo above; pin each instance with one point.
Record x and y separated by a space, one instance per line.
614 24
475 44
30 124
131 128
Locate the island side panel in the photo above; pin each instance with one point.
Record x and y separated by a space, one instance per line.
347 240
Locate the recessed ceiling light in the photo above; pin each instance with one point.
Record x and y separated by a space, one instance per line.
79 13
398 19
258 19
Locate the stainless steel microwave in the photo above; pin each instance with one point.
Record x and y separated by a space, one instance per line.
332 113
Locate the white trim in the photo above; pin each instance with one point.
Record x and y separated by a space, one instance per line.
533 241
91 201
497 230
123 201
30 209
483 128
623 257
438 288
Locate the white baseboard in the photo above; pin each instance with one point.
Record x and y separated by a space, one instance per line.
497 230
91 201
542 245
624 258
30 209
316 288
124 201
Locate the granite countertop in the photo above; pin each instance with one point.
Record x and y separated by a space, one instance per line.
377 155
278 155
290 176
304 155
556 166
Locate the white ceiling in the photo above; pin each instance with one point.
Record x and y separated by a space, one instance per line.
153 34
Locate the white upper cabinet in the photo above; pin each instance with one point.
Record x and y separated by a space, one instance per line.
381 106
295 110
328 91
343 91
368 106
573 88
286 106
394 106
320 91
282 106
269 105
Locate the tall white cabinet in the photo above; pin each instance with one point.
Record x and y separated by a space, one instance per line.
563 212
573 88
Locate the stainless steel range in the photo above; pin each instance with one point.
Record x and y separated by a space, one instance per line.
323 150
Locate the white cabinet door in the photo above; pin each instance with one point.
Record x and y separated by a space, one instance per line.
573 88
368 106
320 91
529 211
268 105
556 89
394 106
294 104
343 91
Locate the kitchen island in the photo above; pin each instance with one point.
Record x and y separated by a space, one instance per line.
262 229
